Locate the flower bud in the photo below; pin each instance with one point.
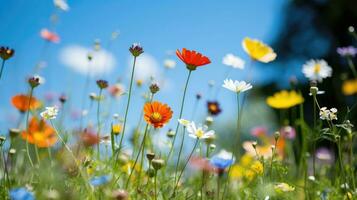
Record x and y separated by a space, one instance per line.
209 120
120 195
212 147
150 172
150 156
116 129
276 135
14 132
170 133
314 90
63 98
89 56
351 29
2 140
198 96
158 163
136 49
12 151
35 81
154 88
254 144
102 84
6 53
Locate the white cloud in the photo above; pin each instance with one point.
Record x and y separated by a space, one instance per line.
76 58
145 68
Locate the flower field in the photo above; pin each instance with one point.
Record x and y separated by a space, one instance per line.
153 134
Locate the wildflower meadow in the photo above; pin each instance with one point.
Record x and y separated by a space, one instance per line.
239 118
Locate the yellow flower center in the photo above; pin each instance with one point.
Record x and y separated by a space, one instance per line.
199 133
156 117
213 107
317 68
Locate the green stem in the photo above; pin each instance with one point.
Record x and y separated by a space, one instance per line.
184 167
98 123
74 159
28 126
351 164
340 162
219 186
112 139
179 155
128 103
234 145
181 111
155 185
137 157
2 68
352 67
314 138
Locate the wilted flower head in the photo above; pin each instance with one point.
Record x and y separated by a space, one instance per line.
199 132
6 52
50 113
170 64
136 49
257 50
49 36
233 61
326 114
236 86
349 51
223 159
21 194
157 163
213 108
192 59
63 98
316 70
99 180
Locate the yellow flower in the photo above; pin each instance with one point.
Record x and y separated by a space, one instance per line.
257 50
236 172
246 160
249 175
116 128
285 99
349 87
257 167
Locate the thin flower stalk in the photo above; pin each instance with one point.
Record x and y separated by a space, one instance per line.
27 127
98 122
180 115
128 103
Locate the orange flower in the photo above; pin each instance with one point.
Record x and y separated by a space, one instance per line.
157 114
192 59
21 102
40 134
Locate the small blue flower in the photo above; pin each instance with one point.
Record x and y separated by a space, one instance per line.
100 180
21 194
222 160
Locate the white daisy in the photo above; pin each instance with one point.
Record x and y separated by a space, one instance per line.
184 122
316 70
50 113
233 61
199 132
326 114
237 86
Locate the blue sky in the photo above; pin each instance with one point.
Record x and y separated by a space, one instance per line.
212 27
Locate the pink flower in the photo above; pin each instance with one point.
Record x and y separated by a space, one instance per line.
259 131
50 36
288 132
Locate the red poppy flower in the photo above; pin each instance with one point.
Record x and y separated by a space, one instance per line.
192 59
